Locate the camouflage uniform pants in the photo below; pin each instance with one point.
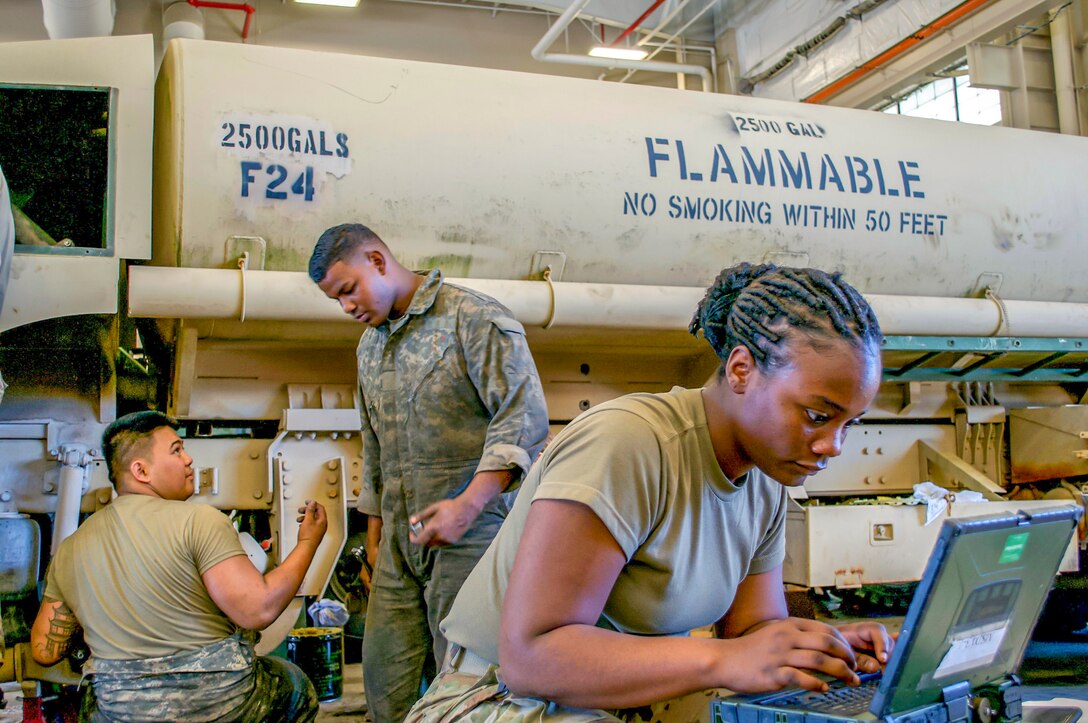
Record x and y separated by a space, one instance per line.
472 698
225 681
412 590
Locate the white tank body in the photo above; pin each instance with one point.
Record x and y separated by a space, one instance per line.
476 170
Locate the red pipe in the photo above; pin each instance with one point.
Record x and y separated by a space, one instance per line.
955 14
634 26
246 7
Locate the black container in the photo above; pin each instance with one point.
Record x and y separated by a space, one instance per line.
320 654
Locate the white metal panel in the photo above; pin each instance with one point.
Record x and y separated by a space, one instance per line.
1048 443
47 287
127 64
850 546
1026 73
313 467
29 478
230 474
880 459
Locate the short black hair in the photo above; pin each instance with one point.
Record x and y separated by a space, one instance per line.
128 435
757 307
336 244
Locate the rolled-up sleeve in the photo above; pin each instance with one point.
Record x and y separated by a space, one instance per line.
504 374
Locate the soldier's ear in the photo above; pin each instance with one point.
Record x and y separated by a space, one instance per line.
739 367
377 260
140 470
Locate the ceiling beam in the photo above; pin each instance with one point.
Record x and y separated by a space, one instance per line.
938 52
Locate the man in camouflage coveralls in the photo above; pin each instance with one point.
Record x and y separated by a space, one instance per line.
452 415
166 596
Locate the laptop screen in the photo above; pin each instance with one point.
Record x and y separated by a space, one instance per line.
972 615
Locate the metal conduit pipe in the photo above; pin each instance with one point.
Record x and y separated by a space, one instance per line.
188 293
540 52
215 4
181 293
1061 49
679 48
78 18
73 474
638 21
663 22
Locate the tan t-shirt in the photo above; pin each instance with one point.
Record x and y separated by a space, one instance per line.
645 465
132 575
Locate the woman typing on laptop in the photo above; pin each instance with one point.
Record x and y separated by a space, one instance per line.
654 514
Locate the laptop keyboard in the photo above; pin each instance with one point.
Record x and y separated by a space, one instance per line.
843 701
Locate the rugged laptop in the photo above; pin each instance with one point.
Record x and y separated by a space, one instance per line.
965 632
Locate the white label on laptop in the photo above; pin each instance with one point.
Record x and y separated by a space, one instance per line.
971 651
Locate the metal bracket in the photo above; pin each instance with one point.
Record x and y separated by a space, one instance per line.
987 281
181 385
255 246
985 359
848 579
337 421
74 456
957 701
206 477
554 260
958 470
323 396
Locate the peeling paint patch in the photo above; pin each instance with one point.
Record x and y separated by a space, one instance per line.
451 264
630 239
458 237
1034 230
281 257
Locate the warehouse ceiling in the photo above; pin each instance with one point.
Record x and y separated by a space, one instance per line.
784 49
697 21
700 18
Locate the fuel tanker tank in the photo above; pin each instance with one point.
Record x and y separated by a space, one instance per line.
497 175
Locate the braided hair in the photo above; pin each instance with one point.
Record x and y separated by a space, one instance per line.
758 307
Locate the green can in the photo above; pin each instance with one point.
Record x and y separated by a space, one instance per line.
319 652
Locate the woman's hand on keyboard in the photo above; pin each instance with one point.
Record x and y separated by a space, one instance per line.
872 643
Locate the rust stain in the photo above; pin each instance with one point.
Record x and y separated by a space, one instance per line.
1025 473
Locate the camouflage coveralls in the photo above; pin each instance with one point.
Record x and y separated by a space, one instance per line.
448 389
469 698
224 681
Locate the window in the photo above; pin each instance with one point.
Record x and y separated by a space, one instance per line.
951 98
55 152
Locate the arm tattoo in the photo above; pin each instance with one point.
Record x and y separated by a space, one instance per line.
62 627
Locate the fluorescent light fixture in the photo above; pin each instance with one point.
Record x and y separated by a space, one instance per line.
607 51
337 3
